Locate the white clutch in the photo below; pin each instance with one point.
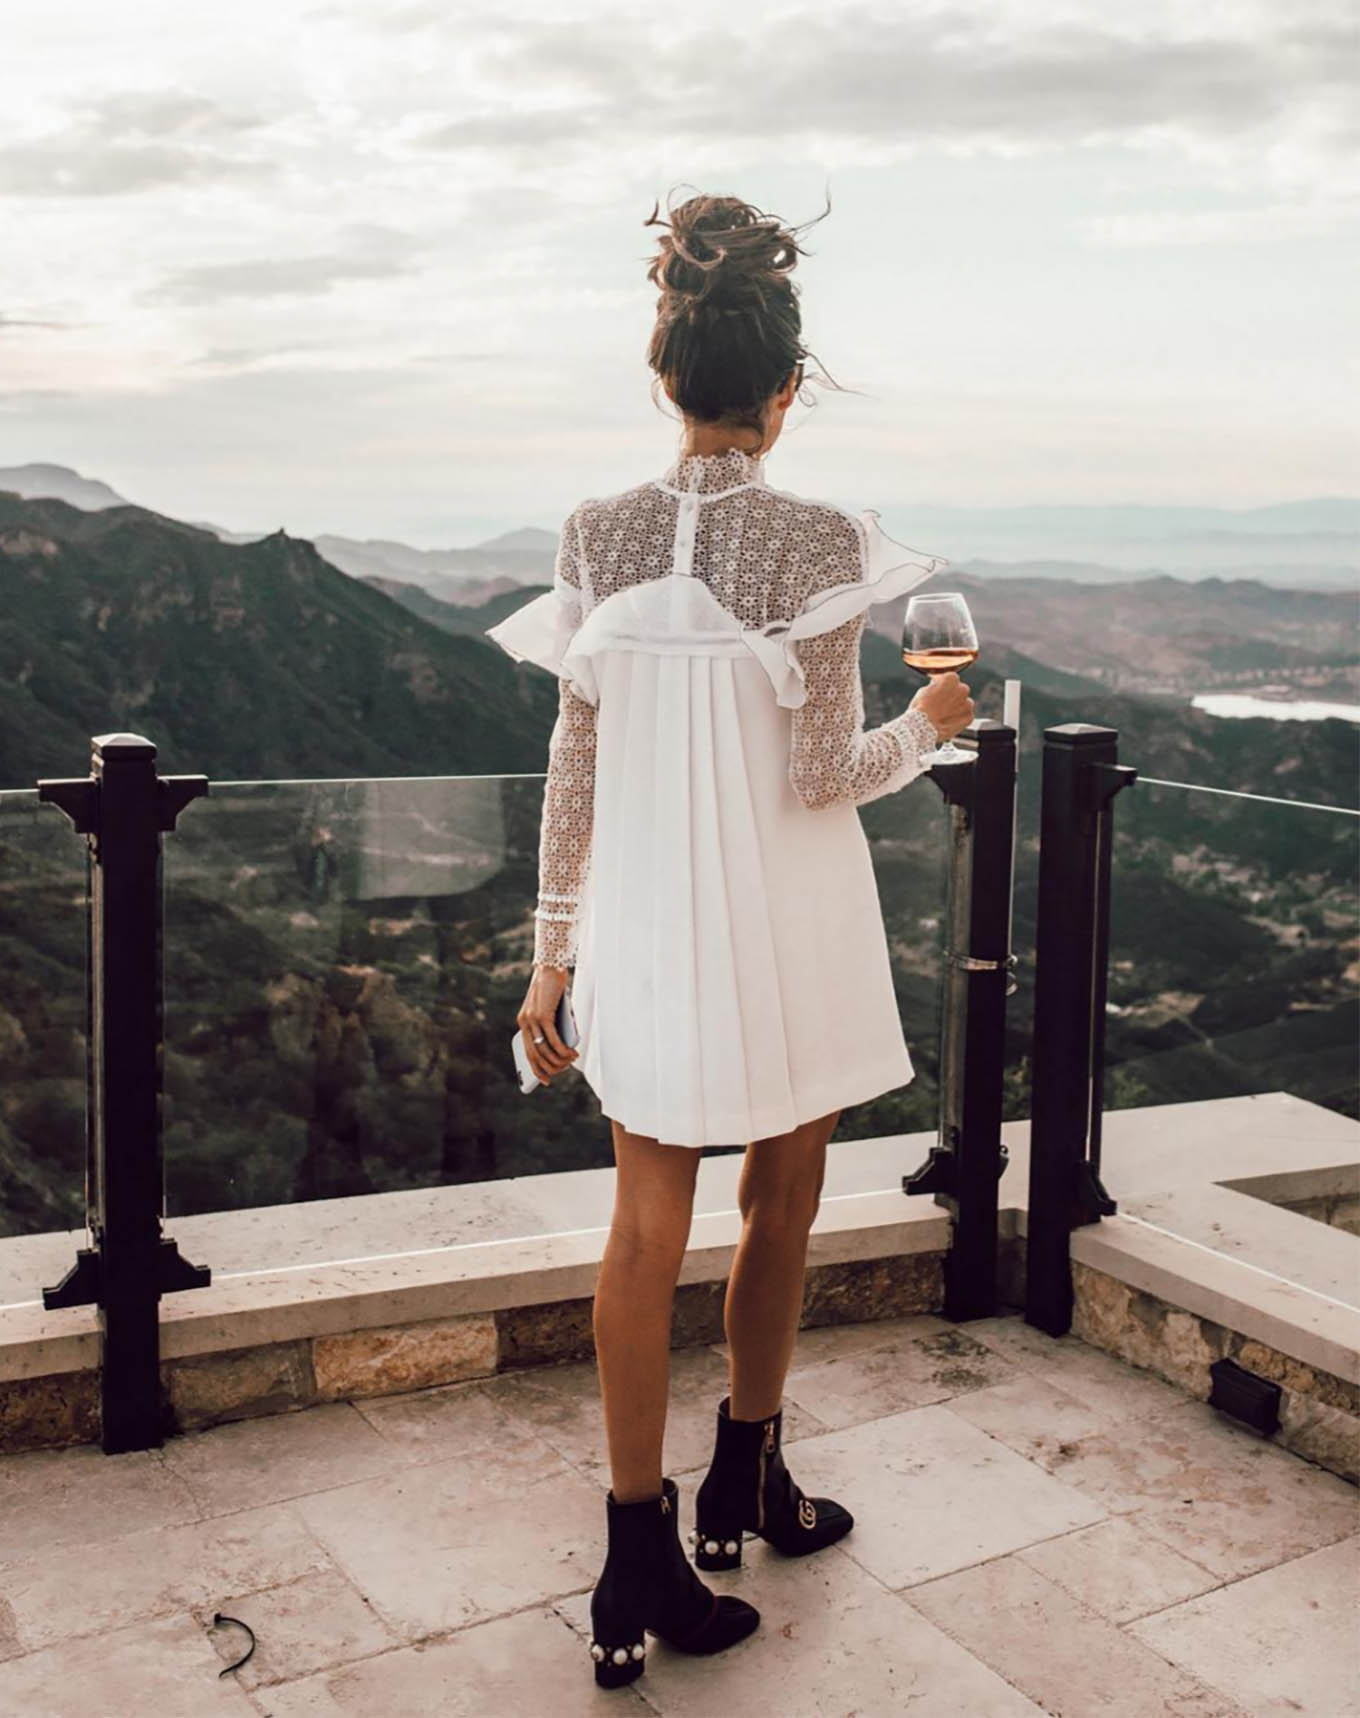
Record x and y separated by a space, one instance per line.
566 1031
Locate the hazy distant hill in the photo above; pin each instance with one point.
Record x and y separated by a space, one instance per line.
1294 545
1312 544
257 660
59 483
452 575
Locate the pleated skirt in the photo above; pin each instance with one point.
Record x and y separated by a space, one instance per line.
732 977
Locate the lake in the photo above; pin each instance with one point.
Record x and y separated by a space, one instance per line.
1282 710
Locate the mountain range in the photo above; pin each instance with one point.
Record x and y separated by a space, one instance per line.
1294 545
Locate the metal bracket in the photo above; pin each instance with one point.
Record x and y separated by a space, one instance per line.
974 963
176 1272
79 799
175 792
80 1286
939 1172
1092 1201
1096 786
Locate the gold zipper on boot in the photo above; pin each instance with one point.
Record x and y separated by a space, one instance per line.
766 1447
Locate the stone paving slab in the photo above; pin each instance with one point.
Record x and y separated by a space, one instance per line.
163 1669
1118 1570
1068 1659
1286 1640
562 1404
435 1548
1110 1387
1048 1531
300 1626
79 1590
832 1643
931 1494
528 1665
908 1371
250 1462
1212 1490
50 1499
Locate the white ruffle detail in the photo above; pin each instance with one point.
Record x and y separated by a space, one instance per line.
540 630
545 630
891 569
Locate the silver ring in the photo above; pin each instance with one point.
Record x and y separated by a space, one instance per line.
538 1039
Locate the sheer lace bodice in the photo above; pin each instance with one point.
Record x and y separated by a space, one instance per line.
762 553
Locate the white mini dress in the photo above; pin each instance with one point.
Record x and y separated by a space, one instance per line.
732 973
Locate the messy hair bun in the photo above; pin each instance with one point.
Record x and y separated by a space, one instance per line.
728 327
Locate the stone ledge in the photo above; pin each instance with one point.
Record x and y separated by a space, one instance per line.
1321 1333
272 1377
332 1299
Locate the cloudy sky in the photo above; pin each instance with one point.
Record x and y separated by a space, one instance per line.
380 269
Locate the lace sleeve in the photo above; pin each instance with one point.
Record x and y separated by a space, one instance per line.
568 800
832 759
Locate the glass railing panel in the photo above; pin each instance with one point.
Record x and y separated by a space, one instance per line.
1233 952
43 950
1233 944
344 963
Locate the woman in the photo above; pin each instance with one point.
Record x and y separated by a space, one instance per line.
703 866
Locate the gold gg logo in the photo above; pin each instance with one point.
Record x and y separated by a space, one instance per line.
807 1512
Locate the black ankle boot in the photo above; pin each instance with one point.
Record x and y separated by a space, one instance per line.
749 1487
648 1583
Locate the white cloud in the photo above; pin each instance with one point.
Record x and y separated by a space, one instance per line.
376 254
1030 199
114 142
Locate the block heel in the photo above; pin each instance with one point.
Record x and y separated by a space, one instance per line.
617 1665
714 1551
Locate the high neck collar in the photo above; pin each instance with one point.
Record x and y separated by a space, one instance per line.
707 472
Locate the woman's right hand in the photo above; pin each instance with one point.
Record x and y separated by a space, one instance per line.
945 700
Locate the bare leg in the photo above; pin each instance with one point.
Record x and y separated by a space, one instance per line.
634 1295
778 1193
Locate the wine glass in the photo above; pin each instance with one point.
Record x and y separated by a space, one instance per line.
937 635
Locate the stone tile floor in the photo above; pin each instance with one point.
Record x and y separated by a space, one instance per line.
1039 1529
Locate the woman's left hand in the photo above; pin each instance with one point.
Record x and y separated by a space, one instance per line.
538 1018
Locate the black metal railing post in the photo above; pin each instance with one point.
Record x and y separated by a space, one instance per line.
1080 779
122 808
966 1163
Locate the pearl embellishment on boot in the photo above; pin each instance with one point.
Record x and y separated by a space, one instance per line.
731 1547
711 1546
620 1654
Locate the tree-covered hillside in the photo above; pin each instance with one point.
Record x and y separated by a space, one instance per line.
238 661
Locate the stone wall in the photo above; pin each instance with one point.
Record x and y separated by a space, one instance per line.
1319 1412
281 1377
